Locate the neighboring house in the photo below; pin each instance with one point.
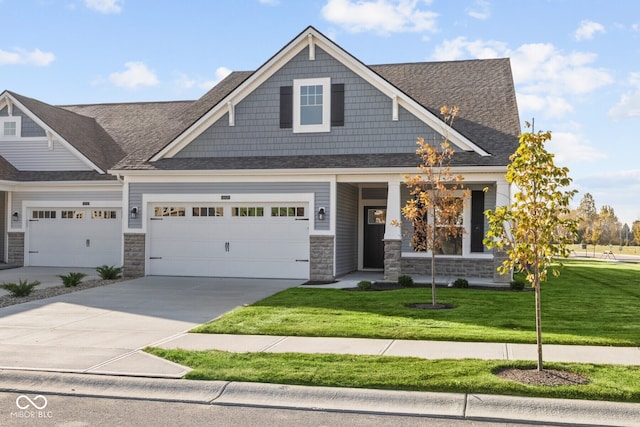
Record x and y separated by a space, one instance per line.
294 170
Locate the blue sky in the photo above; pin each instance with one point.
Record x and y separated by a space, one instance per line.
576 63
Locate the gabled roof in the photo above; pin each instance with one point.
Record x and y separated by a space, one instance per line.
310 38
78 133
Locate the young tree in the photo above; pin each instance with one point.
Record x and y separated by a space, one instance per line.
635 231
536 226
610 226
587 218
437 198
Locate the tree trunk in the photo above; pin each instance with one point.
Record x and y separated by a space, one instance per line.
433 261
538 325
433 278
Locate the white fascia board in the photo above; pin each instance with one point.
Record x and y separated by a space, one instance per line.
249 175
56 136
282 58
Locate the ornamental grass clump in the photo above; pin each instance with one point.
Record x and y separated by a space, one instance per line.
109 272
20 289
72 279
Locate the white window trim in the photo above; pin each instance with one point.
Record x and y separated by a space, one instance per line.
18 122
326 105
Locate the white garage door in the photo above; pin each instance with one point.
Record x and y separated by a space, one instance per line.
74 237
229 240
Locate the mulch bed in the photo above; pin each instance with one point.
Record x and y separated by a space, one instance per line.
546 377
37 294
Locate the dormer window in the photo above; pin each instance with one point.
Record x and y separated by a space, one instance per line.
311 105
10 127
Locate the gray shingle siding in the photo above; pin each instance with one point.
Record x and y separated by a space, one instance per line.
346 229
319 189
368 126
29 128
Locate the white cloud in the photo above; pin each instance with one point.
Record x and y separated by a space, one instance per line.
588 30
184 81
461 48
480 10
381 16
270 2
21 56
539 69
629 105
137 74
571 147
104 6
548 106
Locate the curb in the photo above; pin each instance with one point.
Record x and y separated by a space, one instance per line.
438 405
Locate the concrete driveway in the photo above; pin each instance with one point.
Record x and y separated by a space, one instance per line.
101 330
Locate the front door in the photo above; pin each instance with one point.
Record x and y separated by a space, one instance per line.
375 218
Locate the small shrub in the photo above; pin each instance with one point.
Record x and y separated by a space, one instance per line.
405 281
21 289
109 272
72 279
517 284
364 285
461 283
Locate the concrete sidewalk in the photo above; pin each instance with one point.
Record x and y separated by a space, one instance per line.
404 348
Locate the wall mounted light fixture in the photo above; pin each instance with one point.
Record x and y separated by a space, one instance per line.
134 213
15 216
321 214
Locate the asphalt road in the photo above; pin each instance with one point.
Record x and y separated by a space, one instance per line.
73 411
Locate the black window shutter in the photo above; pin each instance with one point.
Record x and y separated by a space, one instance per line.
337 104
477 221
286 107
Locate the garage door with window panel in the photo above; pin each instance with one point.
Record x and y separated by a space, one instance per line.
229 240
73 237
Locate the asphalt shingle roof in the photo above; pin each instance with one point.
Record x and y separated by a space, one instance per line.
125 136
83 132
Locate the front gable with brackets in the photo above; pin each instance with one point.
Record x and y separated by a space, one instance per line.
374 117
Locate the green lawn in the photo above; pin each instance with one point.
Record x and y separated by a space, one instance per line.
614 383
590 303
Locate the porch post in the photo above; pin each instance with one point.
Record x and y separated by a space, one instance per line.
503 198
393 233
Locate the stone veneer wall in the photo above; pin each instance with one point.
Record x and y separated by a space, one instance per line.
456 267
134 253
392 260
321 262
16 248
498 257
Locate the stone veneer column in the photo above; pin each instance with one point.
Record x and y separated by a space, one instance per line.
392 261
498 257
134 255
16 248
321 262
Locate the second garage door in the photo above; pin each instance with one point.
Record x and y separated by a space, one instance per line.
229 240
74 237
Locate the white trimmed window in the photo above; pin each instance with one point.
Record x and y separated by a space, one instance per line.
312 105
10 127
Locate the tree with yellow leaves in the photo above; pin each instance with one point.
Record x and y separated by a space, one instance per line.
536 228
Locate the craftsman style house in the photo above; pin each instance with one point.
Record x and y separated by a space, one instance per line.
294 170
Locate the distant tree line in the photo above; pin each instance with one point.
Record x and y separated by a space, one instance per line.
602 227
